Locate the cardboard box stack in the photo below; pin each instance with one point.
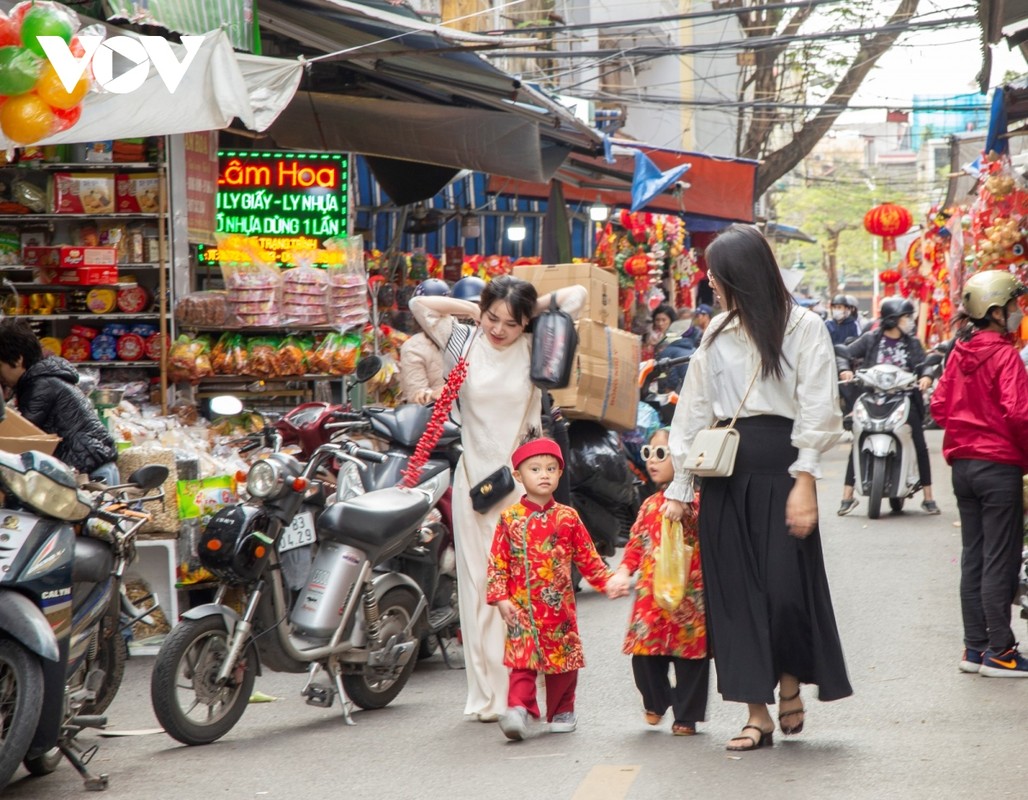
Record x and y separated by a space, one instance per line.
604 382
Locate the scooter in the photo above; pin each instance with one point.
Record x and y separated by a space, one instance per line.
354 631
61 653
884 460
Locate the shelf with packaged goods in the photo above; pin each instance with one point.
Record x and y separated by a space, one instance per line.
212 379
284 328
88 315
50 217
126 364
84 166
68 287
27 267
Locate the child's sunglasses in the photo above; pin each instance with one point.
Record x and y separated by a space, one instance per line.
659 452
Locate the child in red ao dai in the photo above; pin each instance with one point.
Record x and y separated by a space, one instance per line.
659 640
529 581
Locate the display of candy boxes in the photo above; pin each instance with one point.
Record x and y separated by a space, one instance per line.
80 276
69 256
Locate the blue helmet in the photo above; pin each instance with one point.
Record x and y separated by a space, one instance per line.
469 288
432 287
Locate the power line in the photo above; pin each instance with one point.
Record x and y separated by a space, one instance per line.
628 23
755 43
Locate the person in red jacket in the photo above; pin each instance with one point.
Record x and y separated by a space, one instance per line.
982 402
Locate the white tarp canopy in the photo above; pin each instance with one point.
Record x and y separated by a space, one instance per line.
218 86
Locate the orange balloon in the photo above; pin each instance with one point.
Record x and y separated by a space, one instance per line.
26 118
53 93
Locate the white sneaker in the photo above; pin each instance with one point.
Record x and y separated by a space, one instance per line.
564 723
514 723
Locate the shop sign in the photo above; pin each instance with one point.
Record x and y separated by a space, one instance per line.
201 151
287 201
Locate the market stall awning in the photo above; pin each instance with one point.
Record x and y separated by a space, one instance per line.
386 65
720 190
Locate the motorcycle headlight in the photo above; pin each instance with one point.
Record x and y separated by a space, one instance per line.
46 495
265 479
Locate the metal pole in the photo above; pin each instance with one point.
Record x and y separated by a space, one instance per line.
162 280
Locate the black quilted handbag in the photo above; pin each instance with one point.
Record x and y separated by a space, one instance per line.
554 341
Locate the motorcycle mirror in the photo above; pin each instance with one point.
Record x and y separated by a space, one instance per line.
367 368
226 405
149 477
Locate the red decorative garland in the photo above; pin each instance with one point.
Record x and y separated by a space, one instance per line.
434 430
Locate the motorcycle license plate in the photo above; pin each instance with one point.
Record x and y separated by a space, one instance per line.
299 533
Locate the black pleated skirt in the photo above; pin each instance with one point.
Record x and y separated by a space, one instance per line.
769 610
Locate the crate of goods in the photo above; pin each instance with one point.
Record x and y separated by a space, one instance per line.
601 284
81 276
604 380
65 256
83 193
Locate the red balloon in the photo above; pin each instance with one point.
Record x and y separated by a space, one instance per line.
67 117
76 47
18 14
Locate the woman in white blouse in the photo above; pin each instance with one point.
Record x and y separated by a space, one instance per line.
770 616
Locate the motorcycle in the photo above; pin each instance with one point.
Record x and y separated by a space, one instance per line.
61 653
358 627
884 460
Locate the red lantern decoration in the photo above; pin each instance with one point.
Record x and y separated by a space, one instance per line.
889 277
638 265
888 221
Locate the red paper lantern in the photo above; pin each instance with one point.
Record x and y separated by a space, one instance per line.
889 277
637 265
888 221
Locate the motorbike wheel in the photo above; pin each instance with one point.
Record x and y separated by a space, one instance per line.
396 609
896 504
188 703
44 764
874 500
111 656
21 700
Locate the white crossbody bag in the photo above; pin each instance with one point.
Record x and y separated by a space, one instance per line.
713 451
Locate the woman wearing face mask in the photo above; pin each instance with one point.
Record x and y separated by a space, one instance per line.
982 402
893 343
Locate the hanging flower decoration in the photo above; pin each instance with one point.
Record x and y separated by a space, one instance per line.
888 220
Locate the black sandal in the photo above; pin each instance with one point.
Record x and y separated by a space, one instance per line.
789 730
766 738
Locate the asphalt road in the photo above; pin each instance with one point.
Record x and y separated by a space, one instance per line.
915 728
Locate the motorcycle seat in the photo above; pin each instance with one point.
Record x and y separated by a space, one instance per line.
92 561
379 523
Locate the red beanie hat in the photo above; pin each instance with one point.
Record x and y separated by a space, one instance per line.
537 447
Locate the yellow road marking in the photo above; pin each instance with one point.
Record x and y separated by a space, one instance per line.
606 782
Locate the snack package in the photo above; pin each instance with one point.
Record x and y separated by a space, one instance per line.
254 288
305 293
229 356
189 359
203 309
137 192
348 283
262 361
291 357
200 499
337 355
83 193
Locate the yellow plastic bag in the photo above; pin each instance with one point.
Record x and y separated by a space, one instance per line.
672 558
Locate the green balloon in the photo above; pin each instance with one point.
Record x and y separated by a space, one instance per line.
19 70
43 21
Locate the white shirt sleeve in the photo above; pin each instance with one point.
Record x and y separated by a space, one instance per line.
437 327
575 301
818 422
694 412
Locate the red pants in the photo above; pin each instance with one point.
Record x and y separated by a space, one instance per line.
560 692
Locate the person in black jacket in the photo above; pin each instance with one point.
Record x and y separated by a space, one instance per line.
894 343
47 396
845 322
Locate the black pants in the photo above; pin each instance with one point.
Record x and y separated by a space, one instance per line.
924 464
991 529
687 699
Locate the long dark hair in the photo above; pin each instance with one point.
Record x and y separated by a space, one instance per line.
519 295
753 291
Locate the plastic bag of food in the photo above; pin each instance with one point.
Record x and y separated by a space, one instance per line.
253 284
337 355
202 309
189 359
291 357
348 283
671 566
228 356
305 293
262 361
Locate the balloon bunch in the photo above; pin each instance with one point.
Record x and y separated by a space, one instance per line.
434 429
33 101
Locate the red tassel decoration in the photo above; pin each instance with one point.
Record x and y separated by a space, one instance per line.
434 430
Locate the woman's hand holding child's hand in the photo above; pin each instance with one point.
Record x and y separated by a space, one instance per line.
618 584
508 612
677 511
